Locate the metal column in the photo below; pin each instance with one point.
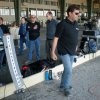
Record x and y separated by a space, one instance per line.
89 8
17 7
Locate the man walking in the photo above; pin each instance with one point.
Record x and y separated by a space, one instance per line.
66 39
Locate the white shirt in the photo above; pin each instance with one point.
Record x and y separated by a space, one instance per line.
14 31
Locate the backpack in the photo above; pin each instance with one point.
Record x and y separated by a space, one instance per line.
85 48
92 46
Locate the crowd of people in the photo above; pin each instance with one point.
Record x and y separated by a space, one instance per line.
62 35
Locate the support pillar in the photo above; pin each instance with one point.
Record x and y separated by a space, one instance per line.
17 7
89 8
62 8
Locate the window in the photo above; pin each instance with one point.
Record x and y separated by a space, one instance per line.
36 1
53 3
12 11
39 12
33 12
4 11
23 13
45 12
47 2
53 12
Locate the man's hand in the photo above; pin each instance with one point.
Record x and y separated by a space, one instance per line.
53 56
54 45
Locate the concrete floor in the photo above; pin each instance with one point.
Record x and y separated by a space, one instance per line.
85 82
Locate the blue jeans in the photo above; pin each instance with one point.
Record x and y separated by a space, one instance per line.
2 53
36 44
27 39
22 40
67 61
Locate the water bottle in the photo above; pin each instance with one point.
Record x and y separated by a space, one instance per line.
46 75
50 74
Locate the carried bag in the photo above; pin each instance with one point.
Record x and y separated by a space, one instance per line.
92 46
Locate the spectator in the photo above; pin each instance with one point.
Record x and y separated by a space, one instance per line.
3 30
90 24
14 30
22 33
50 32
33 28
1 48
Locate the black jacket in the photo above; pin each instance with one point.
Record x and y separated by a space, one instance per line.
4 28
33 33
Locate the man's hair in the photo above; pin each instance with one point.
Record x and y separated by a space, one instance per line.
23 17
72 7
1 18
50 13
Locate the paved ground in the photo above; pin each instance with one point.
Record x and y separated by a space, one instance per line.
86 85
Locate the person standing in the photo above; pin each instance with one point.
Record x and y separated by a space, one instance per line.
50 33
22 33
66 40
1 48
90 24
33 28
3 31
14 30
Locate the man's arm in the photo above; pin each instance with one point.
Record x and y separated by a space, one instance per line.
54 45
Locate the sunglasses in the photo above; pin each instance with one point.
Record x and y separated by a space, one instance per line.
76 13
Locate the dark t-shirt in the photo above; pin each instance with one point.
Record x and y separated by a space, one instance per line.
4 28
33 33
67 32
51 28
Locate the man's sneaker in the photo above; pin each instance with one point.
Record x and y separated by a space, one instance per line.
61 89
70 87
67 93
28 62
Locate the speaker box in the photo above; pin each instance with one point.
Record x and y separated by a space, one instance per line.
91 32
